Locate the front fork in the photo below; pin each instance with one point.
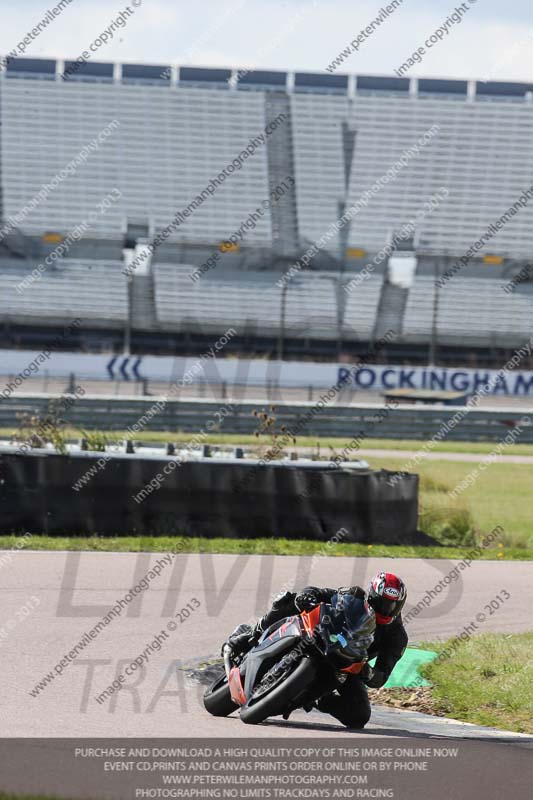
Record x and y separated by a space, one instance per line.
226 654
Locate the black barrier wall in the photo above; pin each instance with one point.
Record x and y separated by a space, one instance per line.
52 494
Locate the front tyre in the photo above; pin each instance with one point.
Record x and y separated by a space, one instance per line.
276 701
217 698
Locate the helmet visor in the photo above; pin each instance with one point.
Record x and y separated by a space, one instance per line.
384 606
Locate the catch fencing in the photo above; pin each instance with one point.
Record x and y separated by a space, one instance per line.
93 412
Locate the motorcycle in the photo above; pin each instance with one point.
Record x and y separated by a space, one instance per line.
297 660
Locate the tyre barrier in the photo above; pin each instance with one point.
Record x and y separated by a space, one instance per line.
155 494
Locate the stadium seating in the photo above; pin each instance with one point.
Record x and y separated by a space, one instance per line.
481 162
167 148
95 291
360 315
311 306
471 311
173 138
176 130
252 303
212 304
318 160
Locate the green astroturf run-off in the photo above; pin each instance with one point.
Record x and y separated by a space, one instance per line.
405 673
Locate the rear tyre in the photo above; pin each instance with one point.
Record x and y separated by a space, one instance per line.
279 698
217 698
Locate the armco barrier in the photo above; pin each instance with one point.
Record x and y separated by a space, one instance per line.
204 497
373 421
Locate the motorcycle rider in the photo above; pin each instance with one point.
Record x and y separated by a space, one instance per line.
386 595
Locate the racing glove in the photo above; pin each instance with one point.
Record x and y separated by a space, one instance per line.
376 679
356 591
243 643
307 599
242 639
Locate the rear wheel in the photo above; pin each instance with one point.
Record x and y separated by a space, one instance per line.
275 702
217 698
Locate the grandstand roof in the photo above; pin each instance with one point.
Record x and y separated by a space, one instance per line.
249 79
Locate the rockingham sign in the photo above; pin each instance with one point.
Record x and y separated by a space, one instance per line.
260 372
382 378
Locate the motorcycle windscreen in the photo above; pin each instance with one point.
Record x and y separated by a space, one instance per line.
351 619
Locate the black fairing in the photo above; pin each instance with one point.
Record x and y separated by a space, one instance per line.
265 651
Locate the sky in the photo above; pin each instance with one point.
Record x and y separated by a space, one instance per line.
492 40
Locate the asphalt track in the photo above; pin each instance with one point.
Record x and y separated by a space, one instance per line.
75 590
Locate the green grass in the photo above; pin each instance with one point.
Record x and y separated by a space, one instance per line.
500 496
308 441
487 681
283 547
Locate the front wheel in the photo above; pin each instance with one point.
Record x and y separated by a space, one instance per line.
217 698
276 701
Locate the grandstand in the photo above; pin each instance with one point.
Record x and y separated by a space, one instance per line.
254 304
161 135
248 301
474 310
94 291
